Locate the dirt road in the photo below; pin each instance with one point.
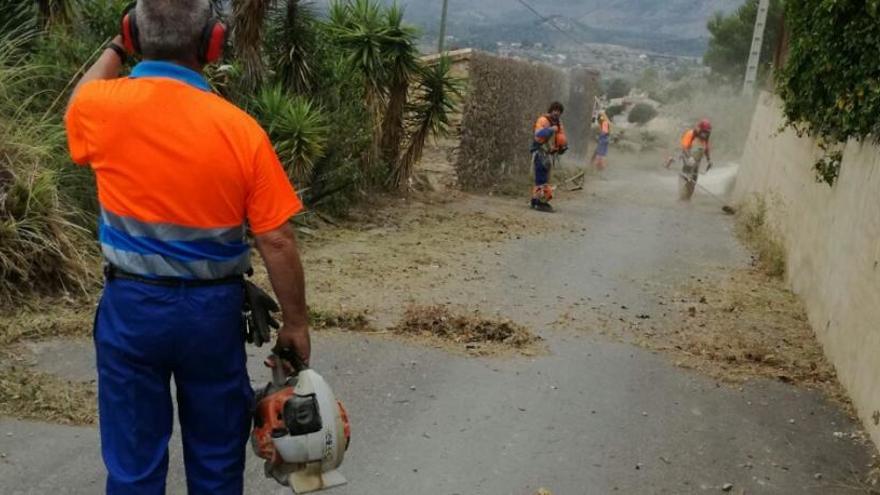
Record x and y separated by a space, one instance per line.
590 415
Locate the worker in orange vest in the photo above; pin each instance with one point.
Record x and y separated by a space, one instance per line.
694 147
549 141
601 153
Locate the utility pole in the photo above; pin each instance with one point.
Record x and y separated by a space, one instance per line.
443 27
757 43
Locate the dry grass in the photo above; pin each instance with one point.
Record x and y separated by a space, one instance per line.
740 325
45 318
27 394
474 332
356 321
752 229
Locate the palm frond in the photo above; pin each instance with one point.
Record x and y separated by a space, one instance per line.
297 129
438 93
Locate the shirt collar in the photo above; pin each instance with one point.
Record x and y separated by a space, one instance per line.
156 68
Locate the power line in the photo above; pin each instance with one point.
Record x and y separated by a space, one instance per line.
551 22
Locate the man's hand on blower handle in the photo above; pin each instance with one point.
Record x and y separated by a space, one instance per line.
295 338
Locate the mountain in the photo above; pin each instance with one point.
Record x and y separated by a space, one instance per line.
666 26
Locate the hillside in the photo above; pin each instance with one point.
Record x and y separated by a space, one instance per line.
675 27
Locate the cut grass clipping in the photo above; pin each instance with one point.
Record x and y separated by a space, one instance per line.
745 324
27 394
477 334
46 318
355 321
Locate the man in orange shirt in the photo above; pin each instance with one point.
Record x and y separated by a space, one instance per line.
694 147
182 175
600 160
549 141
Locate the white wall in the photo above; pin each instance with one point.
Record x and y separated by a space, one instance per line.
832 238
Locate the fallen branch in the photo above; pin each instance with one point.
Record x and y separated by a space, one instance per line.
576 177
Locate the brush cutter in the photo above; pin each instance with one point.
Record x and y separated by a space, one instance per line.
724 206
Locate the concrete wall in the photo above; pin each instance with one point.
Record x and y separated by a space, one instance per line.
503 98
832 238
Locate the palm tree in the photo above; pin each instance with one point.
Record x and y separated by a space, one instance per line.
291 45
438 93
247 30
401 66
358 26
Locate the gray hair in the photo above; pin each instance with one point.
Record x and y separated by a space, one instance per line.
171 29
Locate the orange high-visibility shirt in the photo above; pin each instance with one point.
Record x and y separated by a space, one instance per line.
181 173
542 125
687 140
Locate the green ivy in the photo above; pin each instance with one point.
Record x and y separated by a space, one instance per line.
830 85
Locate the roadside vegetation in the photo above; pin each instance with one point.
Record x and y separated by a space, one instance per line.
829 83
731 40
753 229
345 98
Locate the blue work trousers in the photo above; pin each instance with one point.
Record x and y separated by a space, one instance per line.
541 161
144 335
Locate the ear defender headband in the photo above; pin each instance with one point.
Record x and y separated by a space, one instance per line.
211 41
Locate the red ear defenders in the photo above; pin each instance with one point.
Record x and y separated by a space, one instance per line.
210 43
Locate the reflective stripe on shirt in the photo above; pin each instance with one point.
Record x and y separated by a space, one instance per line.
168 250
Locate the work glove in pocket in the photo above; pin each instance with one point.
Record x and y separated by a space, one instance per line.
257 313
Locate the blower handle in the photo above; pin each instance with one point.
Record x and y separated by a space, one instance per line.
279 375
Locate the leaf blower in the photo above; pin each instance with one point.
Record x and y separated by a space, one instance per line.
300 429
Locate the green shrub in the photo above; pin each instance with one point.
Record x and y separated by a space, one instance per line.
614 110
618 88
297 130
42 249
641 114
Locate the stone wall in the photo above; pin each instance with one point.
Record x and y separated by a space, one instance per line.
832 242
503 99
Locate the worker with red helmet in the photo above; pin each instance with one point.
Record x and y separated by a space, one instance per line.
694 147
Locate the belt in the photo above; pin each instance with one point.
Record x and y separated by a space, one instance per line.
111 273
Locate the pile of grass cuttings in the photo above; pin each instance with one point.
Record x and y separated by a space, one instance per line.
355 321
28 394
440 322
45 318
